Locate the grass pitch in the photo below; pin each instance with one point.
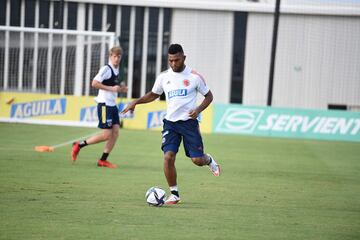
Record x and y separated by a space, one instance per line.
269 189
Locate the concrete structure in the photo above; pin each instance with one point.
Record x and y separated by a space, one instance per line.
229 43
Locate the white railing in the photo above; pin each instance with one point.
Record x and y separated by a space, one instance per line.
81 41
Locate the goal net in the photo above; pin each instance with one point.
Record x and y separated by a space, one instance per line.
51 61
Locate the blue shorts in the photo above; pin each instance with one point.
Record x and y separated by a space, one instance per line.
108 116
189 131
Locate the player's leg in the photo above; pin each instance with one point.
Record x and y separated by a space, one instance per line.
208 160
170 146
170 169
109 145
114 123
171 177
113 136
193 146
105 135
101 137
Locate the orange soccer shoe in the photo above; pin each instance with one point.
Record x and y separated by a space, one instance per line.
107 164
75 150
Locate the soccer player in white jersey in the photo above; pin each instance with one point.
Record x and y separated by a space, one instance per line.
180 85
107 81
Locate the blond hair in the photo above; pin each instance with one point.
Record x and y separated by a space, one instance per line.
117 50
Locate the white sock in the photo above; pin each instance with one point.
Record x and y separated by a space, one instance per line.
174 188
209 161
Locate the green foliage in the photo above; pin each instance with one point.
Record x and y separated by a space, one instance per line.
269 189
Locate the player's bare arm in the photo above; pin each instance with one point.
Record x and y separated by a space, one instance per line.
116 88
149 97
205 103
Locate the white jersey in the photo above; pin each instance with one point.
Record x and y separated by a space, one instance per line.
181 92
105 74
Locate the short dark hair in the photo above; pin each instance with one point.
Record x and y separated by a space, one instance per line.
175 48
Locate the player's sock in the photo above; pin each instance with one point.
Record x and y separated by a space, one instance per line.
174 190
208 159
176 193
83 144
104 156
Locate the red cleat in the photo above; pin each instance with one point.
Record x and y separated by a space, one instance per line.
75 150
107 164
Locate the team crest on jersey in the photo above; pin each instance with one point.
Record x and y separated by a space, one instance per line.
186 82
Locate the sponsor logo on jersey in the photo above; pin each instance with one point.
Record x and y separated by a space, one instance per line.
38 108
177 93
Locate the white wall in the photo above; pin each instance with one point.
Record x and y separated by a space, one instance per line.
206 37
317 61
257 58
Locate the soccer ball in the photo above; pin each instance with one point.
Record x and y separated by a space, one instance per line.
155 196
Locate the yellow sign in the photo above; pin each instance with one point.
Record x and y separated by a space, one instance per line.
82 111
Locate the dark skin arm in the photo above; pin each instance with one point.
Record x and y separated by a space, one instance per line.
205 103
148 97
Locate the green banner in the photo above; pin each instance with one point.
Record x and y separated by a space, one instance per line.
282 122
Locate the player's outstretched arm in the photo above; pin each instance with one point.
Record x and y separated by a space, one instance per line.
205 103
149 97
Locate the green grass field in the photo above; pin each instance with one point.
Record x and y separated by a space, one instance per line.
269 189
